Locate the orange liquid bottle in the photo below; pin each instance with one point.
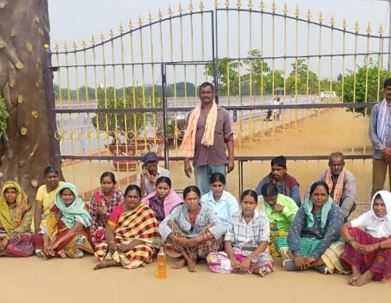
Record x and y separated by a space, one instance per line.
161 272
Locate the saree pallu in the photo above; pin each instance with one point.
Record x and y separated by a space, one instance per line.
218 262
138 224
331 257
74 247
201 250
378 261
278 245
20 245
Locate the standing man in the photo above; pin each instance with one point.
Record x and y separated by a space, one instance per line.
341 182
207 134
380 136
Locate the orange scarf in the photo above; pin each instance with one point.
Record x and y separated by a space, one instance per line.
338 189
188 144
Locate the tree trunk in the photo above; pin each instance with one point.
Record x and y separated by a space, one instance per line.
28 144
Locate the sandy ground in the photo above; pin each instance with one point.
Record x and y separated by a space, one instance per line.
35 280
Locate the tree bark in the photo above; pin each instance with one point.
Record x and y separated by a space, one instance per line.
28 144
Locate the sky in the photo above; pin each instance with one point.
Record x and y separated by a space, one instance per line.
78 20
75 20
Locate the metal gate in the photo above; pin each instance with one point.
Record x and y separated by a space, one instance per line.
125 93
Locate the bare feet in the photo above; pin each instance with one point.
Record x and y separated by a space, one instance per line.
263 271
106 264
191 266
356 274
179 264
62 254
364 278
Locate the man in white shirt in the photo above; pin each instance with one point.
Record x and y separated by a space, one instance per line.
151 171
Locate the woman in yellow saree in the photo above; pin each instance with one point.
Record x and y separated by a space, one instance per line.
15 222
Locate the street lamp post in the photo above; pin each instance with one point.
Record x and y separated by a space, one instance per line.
389 33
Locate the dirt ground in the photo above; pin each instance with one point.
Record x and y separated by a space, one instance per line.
64 281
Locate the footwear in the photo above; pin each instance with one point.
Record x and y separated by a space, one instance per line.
289 265
322 269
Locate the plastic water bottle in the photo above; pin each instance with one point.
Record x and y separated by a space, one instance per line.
161 264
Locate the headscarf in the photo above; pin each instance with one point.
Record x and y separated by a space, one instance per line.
75 212
308 206
382 225
22 206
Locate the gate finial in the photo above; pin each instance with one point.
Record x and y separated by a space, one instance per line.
381 30
226 3
121 28
297 11
180 10
332 21
92 40
344 24
320 17
191 6
130 24
150 17
285 9
160 14
274 8
369 29
238 4
262 5
309 15
250 4
169 11
216 3
356 27
202 6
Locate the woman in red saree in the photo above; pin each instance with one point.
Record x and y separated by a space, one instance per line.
131 236
368 242
68 226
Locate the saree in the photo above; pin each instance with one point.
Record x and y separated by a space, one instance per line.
15 224
378 261
137 224
61 220
201 250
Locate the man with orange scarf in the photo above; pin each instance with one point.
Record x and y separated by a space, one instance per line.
342 184
207 134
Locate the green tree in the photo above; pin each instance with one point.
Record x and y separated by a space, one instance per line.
301 79
358 89
131 122
227 75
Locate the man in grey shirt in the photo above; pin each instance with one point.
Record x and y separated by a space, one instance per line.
341 182
380 136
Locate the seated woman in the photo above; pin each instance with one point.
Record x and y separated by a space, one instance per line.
224 204
44 200
131 236
246 241
15 222
163 199
192 230
314 229
368 242
67 225
103 202
280 211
